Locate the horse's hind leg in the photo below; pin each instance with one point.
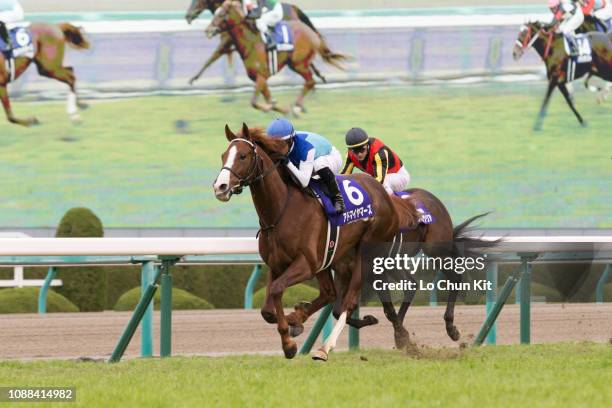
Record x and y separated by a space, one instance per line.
65 75
449 314
568 99
6 104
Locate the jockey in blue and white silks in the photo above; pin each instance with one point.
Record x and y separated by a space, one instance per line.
10 12
310 154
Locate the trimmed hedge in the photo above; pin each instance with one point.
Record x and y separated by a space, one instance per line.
291 297
181 300
84 286
25 300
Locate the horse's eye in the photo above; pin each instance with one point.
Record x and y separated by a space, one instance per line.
242 156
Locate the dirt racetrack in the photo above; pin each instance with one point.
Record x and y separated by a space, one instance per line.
219 332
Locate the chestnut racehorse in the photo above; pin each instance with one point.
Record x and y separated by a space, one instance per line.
293 235
49 43
226 47
230 18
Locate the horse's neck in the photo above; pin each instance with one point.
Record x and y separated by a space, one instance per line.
244 39
269 194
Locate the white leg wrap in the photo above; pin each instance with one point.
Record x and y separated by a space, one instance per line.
333 337
71 106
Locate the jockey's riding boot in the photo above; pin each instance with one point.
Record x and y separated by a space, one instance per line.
4 34
329 180
270 43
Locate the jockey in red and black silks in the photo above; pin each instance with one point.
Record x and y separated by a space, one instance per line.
373 157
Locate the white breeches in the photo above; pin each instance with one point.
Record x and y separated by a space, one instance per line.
269 18
397 181
604 13
332 160
571 24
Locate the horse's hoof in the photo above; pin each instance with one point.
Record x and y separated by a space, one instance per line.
32 122
76 118
453 333
83 105
296 111
583 124
537 127
268 316
401 338
296 330
290 351
319 355
370 320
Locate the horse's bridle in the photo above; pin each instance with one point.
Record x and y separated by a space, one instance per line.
252 177
531 38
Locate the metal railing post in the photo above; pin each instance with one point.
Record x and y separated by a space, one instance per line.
599 291
354 332
491 295
147 274
316 329
250 287
525 297
44 289
165 344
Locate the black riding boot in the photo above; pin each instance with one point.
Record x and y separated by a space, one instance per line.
330 183
4 34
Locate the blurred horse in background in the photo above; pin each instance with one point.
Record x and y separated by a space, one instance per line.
48 42
226 46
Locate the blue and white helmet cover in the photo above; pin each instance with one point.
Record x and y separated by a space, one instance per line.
280 128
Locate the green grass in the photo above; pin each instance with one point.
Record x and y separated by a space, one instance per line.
471 145
569 374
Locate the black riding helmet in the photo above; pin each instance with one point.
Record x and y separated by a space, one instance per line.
356 137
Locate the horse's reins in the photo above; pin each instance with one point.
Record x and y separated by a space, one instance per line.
529 40
250 180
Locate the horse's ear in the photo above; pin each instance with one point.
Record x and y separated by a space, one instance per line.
229 134
245 131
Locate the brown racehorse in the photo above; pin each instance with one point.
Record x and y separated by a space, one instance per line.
247 40
293 234
290 12
49 44
550 47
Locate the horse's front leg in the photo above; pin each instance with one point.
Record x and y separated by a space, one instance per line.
538 124
297 272
260 85
224 47
6 104
304 310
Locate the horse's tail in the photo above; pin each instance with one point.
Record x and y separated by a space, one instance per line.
470 246
75 37
332 58
304 19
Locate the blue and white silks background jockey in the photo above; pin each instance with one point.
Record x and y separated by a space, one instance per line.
269 13
310 154
11 12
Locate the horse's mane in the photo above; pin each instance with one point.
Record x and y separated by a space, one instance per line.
273 147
